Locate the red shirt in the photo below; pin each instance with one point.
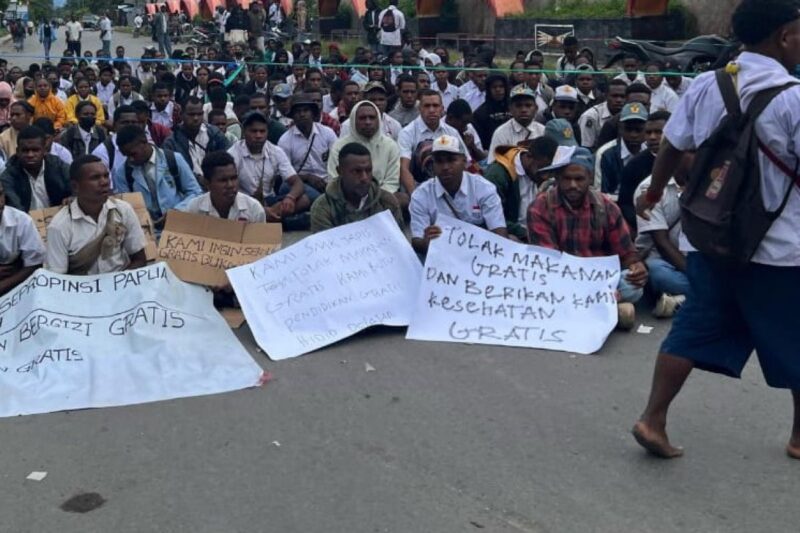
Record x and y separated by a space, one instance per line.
331 122
553 223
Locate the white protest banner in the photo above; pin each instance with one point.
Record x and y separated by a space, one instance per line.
481 288
329 286
75 342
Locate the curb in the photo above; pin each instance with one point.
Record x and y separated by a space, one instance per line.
4 40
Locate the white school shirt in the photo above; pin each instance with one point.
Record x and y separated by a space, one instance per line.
393 38
317 146
663 98
197 149
472 94
449 93
665 215
624 77
19 238
61 152
527 191
699 113
512 132
417 131
475 202
105 25
105 94
74 30
244 208
71 229
261 168
163 117
591 123
102 152
39 197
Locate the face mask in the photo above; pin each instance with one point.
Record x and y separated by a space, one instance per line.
28 93
86 123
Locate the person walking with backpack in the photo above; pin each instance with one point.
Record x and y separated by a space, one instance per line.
392 25
741 215
47 35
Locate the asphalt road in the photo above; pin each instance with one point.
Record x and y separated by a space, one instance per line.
440 438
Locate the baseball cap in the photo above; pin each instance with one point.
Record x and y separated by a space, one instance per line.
522 91
566 93
303 100
282 90
560 130
254 116
633 111
446 143
374 86
582 157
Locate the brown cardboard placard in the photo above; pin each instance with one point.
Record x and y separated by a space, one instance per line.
198 248
42 218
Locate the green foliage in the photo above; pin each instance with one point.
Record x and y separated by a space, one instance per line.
691 26
345 15
580 9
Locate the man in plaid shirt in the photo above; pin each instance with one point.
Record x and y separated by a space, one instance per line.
575 219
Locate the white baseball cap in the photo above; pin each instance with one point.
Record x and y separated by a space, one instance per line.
446 143
566 93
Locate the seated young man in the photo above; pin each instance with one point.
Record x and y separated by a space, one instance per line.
455 193
658 243
574 218
631 142
515 173
354 194
21 247
95 233
223 199
34 179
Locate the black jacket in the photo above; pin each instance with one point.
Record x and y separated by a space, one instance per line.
633 174
18 188
72 140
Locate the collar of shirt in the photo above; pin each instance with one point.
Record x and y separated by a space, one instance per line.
296 131
422 127
8 220
441 191
153 158
39 176
76 213
587 97
626 154
244 151
85 135
206 206
518 128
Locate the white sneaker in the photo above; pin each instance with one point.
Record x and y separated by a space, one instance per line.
667 305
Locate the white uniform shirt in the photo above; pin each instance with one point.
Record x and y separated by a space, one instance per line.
260 169
19 238
699 113
244 208
665 215
102 152
39 198
61 152
394 38
527 191
74 30
449 93
476 202
105 92
512 132
684 86
309 155
71 229
591 122
417 131
472 94
663 99
163 117
105 25
197 149
624 77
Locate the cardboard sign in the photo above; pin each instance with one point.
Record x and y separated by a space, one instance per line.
481 288
199 248
42 218
77 342
329 286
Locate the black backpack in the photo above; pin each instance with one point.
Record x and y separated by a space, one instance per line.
172 165
722 210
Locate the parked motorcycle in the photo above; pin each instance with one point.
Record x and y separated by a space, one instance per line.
706 52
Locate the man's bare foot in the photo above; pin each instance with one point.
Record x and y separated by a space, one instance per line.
656 441
793 449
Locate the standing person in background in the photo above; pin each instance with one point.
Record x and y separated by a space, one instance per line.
138 21
275 15
47 35
392 25
106 30
74 34
372 25
567 62
256 20
161 31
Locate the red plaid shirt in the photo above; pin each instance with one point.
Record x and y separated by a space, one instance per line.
553 223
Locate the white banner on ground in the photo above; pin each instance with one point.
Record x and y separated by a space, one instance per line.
70 342
481 288
329 286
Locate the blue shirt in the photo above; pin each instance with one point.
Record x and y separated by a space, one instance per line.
167 194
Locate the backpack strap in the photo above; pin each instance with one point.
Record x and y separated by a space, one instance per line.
111 151
728 90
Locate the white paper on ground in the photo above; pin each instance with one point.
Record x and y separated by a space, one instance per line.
481 288
76 342
329 286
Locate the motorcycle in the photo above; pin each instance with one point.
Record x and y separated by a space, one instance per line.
706 52
205 36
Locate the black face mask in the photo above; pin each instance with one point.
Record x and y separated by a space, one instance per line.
28 93
55 86
86 123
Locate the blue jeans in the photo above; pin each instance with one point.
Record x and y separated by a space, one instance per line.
628 293
107 47
665 278
46 44
164 45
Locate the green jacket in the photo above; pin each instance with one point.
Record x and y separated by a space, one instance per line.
331 209
503 174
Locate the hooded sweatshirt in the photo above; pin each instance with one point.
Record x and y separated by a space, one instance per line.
332 209
492 113
7 93
384 151
503 173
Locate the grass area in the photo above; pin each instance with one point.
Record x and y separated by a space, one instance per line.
578 9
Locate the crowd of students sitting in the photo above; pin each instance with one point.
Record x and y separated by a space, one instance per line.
315 142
